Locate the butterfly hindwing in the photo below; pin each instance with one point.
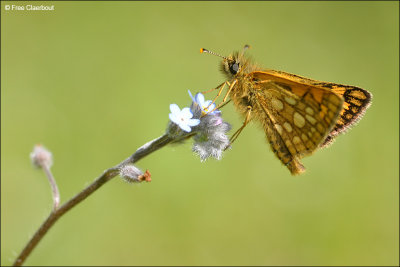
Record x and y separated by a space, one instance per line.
296 117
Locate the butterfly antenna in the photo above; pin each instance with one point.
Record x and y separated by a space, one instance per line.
203 50
246 47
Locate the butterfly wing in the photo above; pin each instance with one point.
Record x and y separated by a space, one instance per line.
297 118
356 100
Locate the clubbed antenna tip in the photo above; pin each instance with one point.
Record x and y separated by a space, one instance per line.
203 50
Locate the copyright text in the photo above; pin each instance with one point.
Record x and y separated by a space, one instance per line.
29 8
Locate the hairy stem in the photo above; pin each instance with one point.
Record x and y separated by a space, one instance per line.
53 185
110 173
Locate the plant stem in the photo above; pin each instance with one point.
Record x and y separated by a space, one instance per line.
53 185
57 212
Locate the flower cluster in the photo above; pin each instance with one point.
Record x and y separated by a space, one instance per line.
204 123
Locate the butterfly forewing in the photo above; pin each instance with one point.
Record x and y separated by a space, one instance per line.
356 100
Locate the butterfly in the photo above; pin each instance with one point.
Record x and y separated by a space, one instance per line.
299 115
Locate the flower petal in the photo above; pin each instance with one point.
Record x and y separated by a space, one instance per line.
199 99
209 105
193 122
186 113
174 118
185 127
174 109
191 96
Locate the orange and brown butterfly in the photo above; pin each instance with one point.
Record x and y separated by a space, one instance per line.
299 115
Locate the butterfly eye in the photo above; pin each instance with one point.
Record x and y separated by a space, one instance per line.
234 68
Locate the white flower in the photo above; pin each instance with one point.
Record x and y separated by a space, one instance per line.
183 118
207 107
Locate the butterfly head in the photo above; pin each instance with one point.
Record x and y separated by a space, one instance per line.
233 65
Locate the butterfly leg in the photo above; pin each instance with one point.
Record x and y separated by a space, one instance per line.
246 121
230 89
221 87
225 97
223 104
218 87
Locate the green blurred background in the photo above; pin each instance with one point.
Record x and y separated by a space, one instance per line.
93 81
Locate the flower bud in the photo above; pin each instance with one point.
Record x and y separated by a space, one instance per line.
40 157
132 174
